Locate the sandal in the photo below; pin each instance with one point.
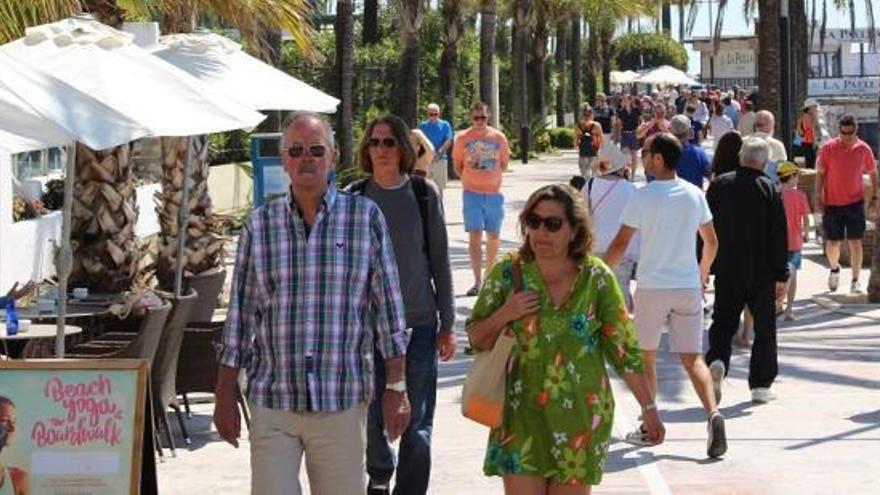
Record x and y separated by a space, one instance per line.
473 291
639 437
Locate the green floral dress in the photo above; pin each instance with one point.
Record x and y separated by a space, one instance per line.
559 409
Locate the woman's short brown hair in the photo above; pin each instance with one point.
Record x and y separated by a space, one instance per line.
400 131
576 214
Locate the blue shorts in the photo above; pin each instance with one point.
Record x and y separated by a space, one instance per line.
629 141
483 212
794 260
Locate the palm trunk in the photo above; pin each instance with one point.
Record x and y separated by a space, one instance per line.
576 65
769 80
606 35
204 248
487 51
592 61
406 103
681 21
371 22
344 32
538 58
666 18
452 29
561 36
105 11
106 257
518 65
800 53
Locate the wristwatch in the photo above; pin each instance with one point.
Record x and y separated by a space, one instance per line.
398 386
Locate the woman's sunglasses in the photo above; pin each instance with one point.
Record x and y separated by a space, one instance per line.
553 224
315 150
386 142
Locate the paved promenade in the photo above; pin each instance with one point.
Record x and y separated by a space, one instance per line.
822 436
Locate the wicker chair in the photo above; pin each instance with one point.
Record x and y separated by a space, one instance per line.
164 370
208 285
138 345
198 366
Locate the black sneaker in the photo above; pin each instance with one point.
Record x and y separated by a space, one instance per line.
717 444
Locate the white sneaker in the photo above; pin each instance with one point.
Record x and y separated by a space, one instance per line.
639 437
856 288
762 395
717 371
833 280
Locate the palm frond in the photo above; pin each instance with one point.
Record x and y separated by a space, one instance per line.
251 16
693 11
16 15
872 28
719 24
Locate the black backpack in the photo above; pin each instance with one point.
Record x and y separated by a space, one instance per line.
420 188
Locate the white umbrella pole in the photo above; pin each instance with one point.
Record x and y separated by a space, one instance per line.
183 219
64 259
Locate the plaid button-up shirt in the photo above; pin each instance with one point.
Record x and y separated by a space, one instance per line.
305 306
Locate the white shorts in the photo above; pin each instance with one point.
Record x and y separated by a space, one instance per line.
681 308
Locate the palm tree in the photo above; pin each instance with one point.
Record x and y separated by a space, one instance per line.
593 61
370 34
344 32
769 75
488 10
407 94
453 27
538 48
204 246
575 53
519 59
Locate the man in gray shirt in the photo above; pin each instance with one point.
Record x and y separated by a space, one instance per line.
414 215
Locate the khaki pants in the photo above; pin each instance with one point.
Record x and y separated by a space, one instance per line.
333 443
437 172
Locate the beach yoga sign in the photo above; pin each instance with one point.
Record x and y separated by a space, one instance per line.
70 426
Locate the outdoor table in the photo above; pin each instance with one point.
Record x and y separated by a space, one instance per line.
33 334
74 310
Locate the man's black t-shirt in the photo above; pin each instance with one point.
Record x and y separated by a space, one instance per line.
603 116
629 118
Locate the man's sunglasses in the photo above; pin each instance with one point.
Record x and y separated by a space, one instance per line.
848 132
553 224
433 114
386 142
315 150
479 117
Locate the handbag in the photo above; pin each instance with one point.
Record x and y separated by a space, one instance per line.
484 388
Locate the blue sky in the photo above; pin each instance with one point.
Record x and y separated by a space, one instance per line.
735 23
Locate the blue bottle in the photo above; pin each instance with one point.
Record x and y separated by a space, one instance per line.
11 317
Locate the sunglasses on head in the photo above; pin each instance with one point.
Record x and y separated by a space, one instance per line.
552 224
388 142
315 150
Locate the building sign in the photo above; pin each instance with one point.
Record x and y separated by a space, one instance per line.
738 63
835 36
844 86
73 426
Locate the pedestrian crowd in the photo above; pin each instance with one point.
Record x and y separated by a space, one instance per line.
342 300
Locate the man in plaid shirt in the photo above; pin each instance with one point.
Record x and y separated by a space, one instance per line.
315 282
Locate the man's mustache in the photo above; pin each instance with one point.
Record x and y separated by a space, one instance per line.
308 168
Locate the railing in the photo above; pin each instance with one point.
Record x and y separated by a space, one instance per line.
729 82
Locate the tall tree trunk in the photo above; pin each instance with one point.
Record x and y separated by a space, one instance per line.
371 22
800 55
606 36
452 29
666 18
769 80
204 247
344 32
559 61
519 58
538 50
575 49
487 51
406 103
592 61
178 17
106 257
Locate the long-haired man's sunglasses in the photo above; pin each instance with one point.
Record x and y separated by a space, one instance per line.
315 150
553 224
386 142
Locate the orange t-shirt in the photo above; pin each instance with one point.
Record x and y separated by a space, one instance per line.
481 155
843 168
796 206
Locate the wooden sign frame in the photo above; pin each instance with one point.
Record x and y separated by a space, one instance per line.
142 433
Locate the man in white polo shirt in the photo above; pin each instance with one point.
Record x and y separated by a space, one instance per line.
667 213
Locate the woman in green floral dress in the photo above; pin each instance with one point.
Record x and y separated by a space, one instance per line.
568 321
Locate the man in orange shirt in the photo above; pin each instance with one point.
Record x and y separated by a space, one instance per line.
840 193
480 155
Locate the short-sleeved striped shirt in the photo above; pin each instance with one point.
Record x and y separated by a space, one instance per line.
306 304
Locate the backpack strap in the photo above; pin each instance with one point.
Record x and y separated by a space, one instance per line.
420 189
